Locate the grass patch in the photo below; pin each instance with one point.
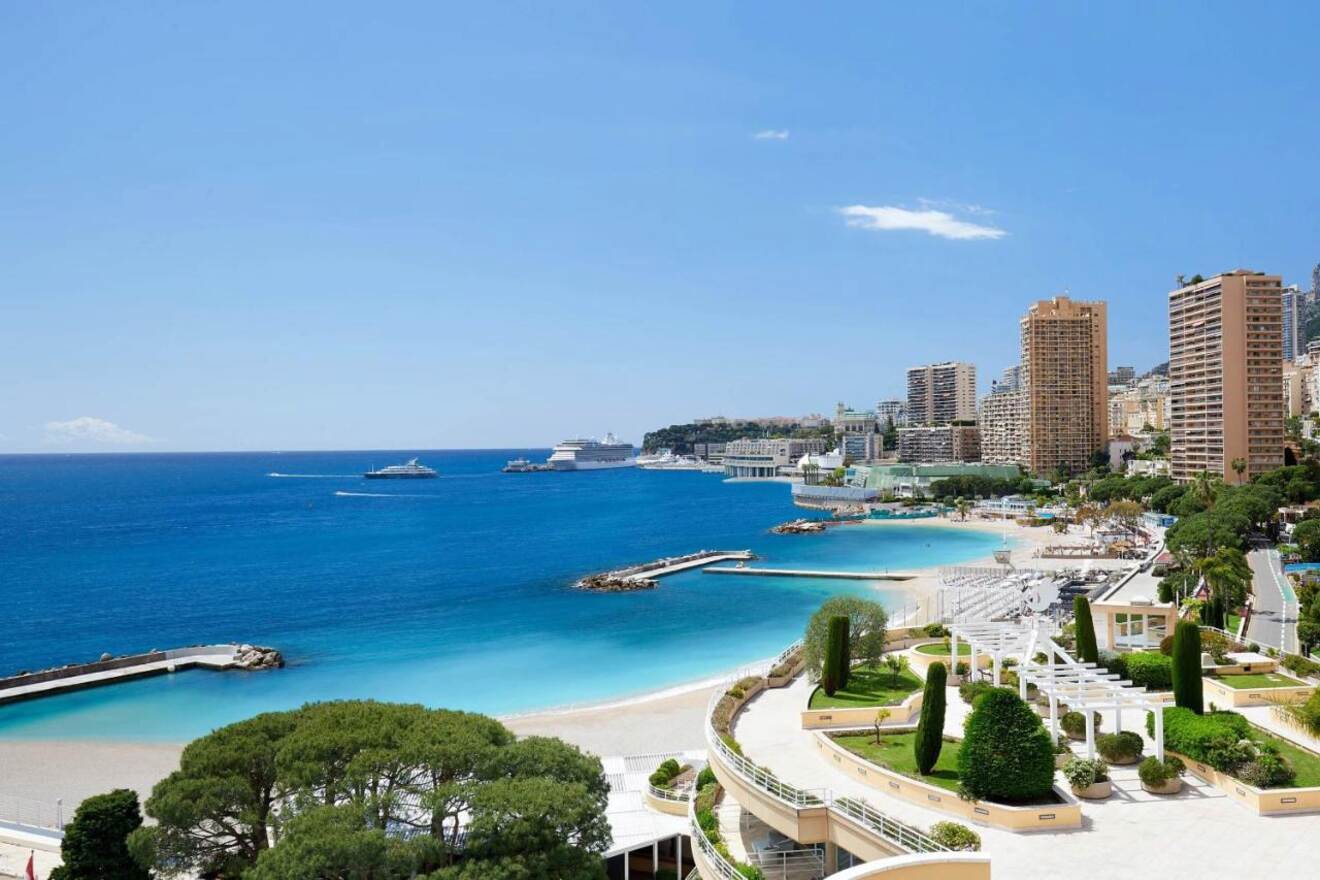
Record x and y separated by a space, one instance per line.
868 686
895 752
1258 681
943 649
1233 622
1306 764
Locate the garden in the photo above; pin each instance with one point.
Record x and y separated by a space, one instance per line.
1258 681
1229 743
870 685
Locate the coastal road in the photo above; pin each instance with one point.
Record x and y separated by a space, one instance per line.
1274 617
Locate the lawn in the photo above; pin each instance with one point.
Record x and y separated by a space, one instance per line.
1233 622
942 649
868 686
1258 681
1306 764
895 753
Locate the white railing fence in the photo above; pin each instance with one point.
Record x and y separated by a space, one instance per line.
33 813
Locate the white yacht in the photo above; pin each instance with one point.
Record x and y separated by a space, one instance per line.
591 455
411 470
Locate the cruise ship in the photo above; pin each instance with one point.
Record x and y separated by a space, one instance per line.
409 470
591 455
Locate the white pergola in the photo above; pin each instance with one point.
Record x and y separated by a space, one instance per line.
1082 687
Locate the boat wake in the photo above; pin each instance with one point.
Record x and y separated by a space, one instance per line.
342 494
312 476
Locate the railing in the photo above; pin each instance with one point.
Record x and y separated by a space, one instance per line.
789 864
668 794
33 813
896 833
701 842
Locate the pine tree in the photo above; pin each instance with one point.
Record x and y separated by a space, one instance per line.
930 727
1187 667
1087 651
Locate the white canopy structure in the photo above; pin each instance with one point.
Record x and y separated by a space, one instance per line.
1082 687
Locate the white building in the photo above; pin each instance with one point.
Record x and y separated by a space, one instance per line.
767 458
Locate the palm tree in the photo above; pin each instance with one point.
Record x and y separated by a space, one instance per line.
1203 486
1227 573
964 507
1239 467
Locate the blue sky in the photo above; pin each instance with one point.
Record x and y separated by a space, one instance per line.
273 226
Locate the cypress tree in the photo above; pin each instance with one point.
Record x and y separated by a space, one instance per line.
1187 667
1087 651
829 677
845 652
929 740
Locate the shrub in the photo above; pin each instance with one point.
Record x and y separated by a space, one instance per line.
665 773
955 836
930 726
1211 738
1087 651
1186 667
1267 768
1074 723
1299 665
1154 772
1121 747
971 691
1148 669
960 667
1006 754
1084 772
705 801
750 872
705 777
935 631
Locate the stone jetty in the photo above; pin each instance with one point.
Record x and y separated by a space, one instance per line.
800 527
645 576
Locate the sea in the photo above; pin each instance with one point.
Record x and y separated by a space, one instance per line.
456 591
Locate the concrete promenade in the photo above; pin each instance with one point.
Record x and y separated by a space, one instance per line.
26 687
1132 834
812 573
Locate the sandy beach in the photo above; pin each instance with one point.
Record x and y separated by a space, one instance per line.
668 720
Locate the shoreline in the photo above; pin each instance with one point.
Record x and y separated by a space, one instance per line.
665 719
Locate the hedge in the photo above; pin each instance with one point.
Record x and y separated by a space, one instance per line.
1006 753
1199 736
1148 669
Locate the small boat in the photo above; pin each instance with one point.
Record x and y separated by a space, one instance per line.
409 470
523 466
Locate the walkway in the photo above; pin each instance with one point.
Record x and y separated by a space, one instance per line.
675 568
1198 833
1274 615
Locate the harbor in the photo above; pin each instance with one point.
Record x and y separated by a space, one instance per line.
111 670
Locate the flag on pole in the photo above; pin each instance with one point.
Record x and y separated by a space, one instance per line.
31 873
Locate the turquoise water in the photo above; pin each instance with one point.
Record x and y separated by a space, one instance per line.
454 591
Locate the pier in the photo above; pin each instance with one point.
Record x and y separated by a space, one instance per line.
30 685
643 577
811 573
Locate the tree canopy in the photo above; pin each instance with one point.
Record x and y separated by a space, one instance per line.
362 790
95 841
866 631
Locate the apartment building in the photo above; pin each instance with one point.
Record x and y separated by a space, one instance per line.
942 443
1226 375
1291 306
1065 374
941 393
894 409
1003 421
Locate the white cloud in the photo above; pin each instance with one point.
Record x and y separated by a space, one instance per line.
92 430
772 134
886 218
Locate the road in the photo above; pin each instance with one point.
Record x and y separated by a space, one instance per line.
1274 617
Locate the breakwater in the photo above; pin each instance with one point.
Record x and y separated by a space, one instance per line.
643 576
109 670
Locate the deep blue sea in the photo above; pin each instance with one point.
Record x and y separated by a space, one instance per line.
451 592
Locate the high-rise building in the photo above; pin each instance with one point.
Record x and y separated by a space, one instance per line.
1226 375
892 409
939 443
941 393
1065 373
1003 422
859 433
1009 380
1291 301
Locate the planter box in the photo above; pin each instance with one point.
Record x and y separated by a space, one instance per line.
1095 792
784 680
1263 801
905 713
1230 697
1173 786
1128 763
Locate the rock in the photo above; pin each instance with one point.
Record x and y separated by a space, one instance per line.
244 649
106 656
